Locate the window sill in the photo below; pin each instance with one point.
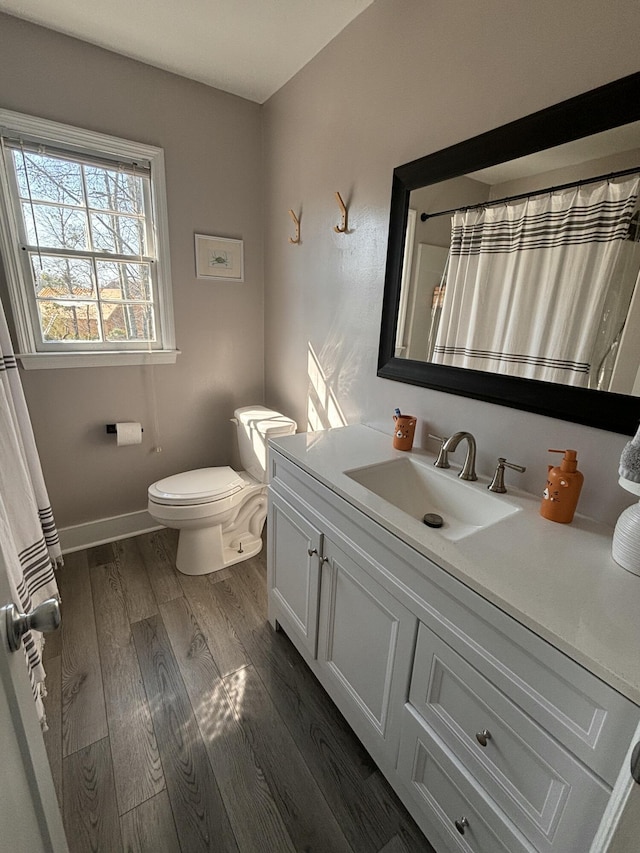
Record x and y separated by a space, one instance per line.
49 360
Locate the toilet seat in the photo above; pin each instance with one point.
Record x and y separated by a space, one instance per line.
201 486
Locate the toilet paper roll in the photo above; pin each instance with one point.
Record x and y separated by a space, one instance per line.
128 433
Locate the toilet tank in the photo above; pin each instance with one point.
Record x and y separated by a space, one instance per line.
256 425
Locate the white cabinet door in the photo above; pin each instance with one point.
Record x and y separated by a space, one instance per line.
365 642
293 571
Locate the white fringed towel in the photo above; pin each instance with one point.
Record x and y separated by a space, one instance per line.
28 536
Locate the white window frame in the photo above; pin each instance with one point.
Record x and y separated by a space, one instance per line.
92 144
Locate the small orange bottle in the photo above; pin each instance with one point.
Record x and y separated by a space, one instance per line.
560 497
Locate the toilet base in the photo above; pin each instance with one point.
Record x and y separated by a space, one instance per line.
200 552
210 548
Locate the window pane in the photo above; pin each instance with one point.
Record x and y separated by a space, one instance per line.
60 321
109 189
128 322
57 227
122 235
61 278
118 280
50 178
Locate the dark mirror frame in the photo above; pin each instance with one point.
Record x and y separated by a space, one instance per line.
601 109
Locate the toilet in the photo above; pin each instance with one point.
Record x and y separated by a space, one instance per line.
220 512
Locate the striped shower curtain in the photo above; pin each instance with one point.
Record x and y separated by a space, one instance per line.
28 535
527 282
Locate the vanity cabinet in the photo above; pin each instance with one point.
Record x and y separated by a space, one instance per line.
495 741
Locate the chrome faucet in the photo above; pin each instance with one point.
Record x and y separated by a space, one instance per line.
449 445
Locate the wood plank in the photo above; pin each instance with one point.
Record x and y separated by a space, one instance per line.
161 569
201 820
220 575
53 710
252 579
337 759
277 660
84 720
408 832
170 538
141 602
254 816
90 812
149 828
394 846
100 554
227 650
379 796
136 760
310 822
53 641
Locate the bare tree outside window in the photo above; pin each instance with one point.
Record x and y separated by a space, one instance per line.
86 234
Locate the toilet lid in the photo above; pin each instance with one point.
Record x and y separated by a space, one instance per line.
203 485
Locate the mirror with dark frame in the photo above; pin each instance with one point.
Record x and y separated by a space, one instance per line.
513 262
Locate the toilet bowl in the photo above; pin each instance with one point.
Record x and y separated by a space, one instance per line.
219 512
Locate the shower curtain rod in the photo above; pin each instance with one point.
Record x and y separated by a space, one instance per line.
608 177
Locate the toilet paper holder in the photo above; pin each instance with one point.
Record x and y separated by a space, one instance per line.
111 428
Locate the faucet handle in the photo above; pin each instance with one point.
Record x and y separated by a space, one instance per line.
443 455
497 484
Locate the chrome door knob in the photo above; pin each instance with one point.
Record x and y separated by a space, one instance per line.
46 617
312 551
461 825
483 737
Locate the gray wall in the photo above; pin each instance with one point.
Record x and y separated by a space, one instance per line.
403 80
212 143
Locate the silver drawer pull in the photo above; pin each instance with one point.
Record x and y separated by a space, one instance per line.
461 825
312 551
483 737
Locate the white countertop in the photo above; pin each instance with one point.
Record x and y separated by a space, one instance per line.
557 579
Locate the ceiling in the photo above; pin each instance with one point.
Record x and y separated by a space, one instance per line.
247 47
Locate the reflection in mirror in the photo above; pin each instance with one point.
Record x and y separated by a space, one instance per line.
492 300
530 268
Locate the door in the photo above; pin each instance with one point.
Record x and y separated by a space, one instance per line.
29 814
365 642
293 577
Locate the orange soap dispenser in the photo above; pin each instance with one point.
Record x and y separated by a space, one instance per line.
564 483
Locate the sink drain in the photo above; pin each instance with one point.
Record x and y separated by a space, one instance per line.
432 519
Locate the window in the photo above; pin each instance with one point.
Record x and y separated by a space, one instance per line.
84 240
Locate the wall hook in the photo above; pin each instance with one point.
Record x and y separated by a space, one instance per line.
296 222
341 229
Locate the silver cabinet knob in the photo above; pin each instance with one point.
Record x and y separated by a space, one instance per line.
461 824
312 551
483 737
46 617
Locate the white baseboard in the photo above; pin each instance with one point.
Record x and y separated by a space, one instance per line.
92 533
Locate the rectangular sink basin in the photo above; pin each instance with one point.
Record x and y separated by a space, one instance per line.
417 488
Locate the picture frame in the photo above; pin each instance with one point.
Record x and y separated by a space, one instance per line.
219 258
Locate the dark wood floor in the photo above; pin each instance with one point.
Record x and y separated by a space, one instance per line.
180 721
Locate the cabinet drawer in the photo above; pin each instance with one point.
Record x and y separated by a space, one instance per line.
580 711
541 787
437 784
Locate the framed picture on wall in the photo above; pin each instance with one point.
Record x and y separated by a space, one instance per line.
219 258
